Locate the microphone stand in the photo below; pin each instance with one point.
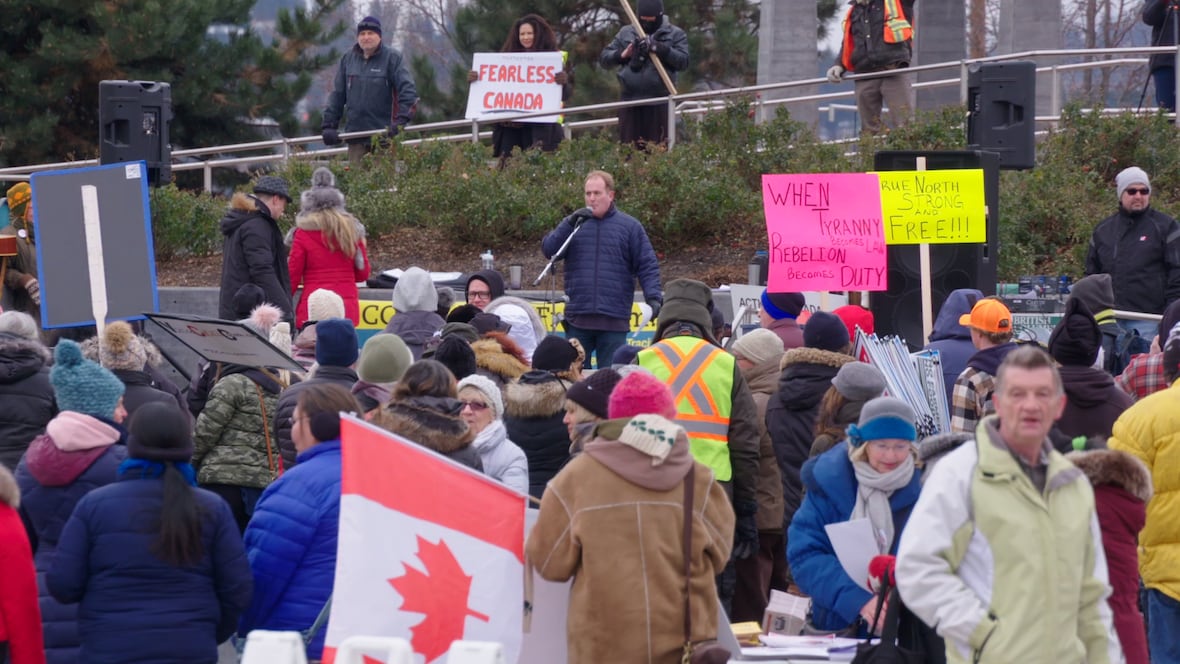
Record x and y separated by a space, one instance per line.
558 255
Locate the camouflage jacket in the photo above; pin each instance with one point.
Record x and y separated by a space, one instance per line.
230 443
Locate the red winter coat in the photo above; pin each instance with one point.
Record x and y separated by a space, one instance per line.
20 615
1122 487
311 263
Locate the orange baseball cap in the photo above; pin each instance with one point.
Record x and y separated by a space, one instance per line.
988 315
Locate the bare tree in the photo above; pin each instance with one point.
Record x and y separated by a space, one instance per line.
1101 24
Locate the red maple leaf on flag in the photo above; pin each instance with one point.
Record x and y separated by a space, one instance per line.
440 592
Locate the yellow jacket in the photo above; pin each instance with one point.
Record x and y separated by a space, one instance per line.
1150 430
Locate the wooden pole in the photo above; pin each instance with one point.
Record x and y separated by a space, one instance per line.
655 60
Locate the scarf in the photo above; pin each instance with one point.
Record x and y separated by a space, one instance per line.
152 469
872 497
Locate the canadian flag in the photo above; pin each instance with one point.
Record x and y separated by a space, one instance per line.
429 550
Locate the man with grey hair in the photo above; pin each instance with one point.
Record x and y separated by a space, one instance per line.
1003 546
1139 247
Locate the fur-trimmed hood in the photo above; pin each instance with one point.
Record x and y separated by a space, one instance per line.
531 397
426 421
493 354
21 358
1116 468
9 491
814 356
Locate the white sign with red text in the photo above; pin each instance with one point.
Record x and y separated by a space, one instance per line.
513 83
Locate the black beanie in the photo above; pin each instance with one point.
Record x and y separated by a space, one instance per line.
369 23
1076 339
649 8
160 432
455 354
463 313
554 353
593 392
825 331
246 299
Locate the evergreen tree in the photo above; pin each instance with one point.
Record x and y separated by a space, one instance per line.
220 71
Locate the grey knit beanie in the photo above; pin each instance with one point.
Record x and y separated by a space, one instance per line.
1130 176
859 381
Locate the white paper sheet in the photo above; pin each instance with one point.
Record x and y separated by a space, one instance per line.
855 546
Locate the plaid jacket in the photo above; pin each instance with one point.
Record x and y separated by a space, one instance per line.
971 399
1143 376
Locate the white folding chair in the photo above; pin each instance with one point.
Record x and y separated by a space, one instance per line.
269 647
387 649
475 652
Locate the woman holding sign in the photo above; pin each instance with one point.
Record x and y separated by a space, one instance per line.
530 33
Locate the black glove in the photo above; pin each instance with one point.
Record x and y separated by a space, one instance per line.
643 45
655 305
579 216
655 46
393 130
745 532
331 136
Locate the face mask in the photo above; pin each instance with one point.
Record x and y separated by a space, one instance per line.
650 26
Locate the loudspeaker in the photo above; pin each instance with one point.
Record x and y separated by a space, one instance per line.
1001 111
952 266
134 117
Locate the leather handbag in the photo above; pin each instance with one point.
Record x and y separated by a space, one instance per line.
701 652
886 651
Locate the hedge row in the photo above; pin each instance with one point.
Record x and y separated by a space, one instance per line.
709 187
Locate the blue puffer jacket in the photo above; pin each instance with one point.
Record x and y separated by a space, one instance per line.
602 263
291 542
134 607
52 481
830 496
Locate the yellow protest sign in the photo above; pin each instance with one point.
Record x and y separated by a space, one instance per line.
934 207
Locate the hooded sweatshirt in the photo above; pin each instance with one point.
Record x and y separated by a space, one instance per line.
1092 402
1097 293
613 520
952 340
415 303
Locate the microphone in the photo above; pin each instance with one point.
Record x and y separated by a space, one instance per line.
881 572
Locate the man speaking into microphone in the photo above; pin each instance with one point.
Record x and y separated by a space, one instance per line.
609 252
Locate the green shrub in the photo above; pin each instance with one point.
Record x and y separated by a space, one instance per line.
708 189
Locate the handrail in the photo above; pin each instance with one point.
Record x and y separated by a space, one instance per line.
690 103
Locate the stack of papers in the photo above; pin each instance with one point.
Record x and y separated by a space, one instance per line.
818 648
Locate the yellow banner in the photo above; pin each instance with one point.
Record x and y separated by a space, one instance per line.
934 207
375 314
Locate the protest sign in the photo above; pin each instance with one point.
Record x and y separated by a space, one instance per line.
513 83
224 341
824 232
745 295
934 207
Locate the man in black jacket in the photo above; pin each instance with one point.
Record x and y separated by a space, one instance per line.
1139 247
253 251
1163 17
637 73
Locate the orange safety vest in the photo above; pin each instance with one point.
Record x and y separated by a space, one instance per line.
898 30
700 376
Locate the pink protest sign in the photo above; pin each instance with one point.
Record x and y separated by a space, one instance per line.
824 232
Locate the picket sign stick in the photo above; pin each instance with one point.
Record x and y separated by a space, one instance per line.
655 59
94 260
823 300
924 267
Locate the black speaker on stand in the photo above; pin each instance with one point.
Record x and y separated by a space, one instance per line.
1001 111
952 266
134 118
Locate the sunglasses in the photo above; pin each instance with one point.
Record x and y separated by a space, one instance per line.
475 405
1134 191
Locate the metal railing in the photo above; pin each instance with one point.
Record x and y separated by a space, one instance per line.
687 104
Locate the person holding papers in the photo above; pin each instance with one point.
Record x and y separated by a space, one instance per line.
870 475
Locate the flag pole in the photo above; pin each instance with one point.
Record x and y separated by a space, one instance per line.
655 59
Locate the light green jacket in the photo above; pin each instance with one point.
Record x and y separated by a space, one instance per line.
1003 572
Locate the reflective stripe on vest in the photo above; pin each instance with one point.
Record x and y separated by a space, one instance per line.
897 27
700 376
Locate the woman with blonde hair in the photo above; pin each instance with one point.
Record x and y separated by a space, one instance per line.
853 385
327 248
586 404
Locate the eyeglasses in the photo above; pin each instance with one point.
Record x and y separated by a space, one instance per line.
479 295
1135 191
475 405
896 448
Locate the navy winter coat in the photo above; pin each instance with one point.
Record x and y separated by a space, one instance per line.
26 396
602 263
51 484
291 543
343 376
831 487
952 340
134 607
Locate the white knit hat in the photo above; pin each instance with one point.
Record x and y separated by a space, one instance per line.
324 304
489 390
758 346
